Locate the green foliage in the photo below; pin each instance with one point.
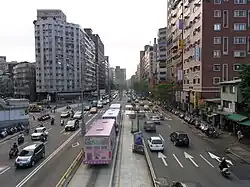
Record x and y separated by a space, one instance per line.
245 84
141 87
163 91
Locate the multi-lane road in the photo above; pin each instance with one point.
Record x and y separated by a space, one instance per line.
61 149
197 164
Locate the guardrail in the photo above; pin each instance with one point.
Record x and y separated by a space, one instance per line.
67 176
150 166
115 157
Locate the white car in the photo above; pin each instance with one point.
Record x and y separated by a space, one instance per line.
65 115
155 143
38 132
99 105
78 115
156 119
72 125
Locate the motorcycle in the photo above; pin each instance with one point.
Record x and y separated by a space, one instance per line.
225 172
13 153
52 121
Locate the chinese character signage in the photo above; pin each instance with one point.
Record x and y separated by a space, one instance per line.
180 24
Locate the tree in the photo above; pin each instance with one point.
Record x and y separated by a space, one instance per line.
141 87
164 91
245 85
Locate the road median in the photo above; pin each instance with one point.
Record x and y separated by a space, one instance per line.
67 176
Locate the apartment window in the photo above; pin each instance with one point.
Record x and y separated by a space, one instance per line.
217 1
237 67
232 89
216 80
240 1
225 45
217 53
217 27
225 72
198 81
226 104
224 89
248 45
225 18
240 27
236 78
217 13
217 40
194 81
248 18
239 53
240 40
216 67
240 13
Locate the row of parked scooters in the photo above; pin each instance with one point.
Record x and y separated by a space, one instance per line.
11 130
194 120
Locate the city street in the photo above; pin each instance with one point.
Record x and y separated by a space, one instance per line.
57 160
195 164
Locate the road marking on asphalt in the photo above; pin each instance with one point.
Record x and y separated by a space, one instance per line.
213 156
23 144
206 161
177 160
190 157
35 170
169 126
89 115
162 157
66 133
3 170
49 129
62 131
75 144
161 137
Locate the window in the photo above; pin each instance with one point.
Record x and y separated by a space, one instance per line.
216 67
216 80
224 88
248 18
236 78
194 81
240 1
226 104
225 45
240 13
240 26
217 53
217 40
198 81
232 89
217 27
239 53
240 40
225 18
248 45
217 13
236 67
217 1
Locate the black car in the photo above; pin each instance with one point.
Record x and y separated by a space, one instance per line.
179 138
87 108
149 126
44 117
30 155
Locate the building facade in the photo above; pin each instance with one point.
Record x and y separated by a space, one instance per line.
120 77
24 76
65 55
162 55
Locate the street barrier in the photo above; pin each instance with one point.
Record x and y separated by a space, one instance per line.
150 166
67 176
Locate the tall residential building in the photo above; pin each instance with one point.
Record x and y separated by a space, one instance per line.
161 55
120 77
112 75
216 42
24 75
106 70
65 55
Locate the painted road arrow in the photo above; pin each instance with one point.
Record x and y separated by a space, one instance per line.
163 157
213 156
188 156
75 144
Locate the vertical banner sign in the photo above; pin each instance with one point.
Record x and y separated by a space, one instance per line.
180 44
180 24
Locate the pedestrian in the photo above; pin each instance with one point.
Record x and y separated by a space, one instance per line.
239 135
34 118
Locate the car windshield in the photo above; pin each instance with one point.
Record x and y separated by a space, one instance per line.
38 130
26 153
156 142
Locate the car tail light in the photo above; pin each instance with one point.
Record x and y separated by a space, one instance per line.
110 154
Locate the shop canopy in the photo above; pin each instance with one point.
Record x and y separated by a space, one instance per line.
246 123
236 117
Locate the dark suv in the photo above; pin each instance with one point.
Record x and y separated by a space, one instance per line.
179 138
30 155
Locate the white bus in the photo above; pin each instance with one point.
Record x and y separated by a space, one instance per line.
113 114
115 106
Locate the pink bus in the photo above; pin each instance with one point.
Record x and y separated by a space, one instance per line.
99 142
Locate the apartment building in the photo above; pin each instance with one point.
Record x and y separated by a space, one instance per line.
120 77
215 43
161 55
65 55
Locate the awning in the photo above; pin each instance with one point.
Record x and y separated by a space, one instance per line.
246 123
236 117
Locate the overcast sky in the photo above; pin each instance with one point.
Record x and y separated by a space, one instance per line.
124 26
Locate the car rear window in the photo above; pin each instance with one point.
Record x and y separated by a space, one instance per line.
182 136
156 142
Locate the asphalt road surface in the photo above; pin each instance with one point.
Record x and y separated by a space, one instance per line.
196 164
59 155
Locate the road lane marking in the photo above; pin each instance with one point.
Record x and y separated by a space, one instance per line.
162 157
62 131
66 133
161 138
4 170
23 144
75 144
35 170
49 129
89 115
177 160
190 157
206 160
169 126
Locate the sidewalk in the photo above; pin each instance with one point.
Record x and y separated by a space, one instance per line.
133 171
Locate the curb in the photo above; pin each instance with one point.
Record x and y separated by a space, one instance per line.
238 156
64 181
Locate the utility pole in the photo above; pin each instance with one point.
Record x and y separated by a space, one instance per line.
83 127
109 85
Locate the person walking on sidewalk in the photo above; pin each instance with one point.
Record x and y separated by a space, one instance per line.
239 135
